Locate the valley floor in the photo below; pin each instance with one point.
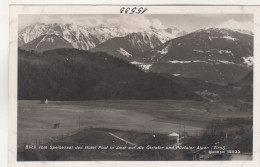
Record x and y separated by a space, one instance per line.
129 120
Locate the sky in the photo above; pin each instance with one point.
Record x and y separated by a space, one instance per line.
189 22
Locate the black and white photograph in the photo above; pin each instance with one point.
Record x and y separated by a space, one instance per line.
135 86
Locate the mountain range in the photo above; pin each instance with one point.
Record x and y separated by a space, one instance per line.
85 38
214 55
78 36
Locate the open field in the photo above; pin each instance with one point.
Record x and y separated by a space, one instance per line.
35 120
98 142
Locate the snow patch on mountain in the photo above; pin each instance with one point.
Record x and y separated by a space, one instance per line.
225 62
225 37
142 66
249 60
136 63
165 49
212 97
221 61
198 51
230 38
51 40
199 61
179 62
176 75
145 67
123 52
225 52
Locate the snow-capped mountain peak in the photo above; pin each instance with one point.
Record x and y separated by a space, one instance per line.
164 34
80 37
86 38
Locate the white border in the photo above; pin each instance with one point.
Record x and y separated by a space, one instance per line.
142 2
84 9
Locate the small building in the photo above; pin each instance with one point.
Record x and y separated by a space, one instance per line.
174 136
56 125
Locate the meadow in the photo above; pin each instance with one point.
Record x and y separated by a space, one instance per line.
36 120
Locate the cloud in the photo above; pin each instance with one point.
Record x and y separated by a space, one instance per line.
157 24
137 22
134 22
130 22
233 24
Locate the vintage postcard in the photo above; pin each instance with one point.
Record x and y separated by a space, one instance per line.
134 83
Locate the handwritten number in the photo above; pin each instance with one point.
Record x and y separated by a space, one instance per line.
122 9
139 10
127 10
133 10
136 10
145 9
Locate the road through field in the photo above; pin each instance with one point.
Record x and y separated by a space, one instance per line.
124 140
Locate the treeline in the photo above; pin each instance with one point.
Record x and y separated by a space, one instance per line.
71 74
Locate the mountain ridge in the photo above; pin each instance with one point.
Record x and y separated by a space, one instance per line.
85 38
47 42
